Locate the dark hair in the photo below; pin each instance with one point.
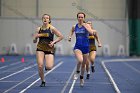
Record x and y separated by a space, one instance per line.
81 13
49 17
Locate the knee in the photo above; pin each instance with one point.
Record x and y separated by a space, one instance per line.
40 67
92 59
80 62
84 65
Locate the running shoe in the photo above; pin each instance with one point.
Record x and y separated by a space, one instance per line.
42 84
88 75
75 76
81 82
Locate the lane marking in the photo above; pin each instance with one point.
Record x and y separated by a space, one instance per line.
72 86
110 78
3 67
18 72
22 91
100 83
132 67
108 73
67 82
20 83
9 65
24 71
18 62
74 81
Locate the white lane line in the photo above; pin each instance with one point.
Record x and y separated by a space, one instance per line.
9 81
72 86
111 78
67 82
18 72
74 81
3 67
9 65
108 73
24 71
20 83
133 68
17 62
22 91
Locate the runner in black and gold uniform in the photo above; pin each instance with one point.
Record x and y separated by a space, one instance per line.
45 46
92 53
45 39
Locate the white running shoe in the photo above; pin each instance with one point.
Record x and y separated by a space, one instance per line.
75 76
81 82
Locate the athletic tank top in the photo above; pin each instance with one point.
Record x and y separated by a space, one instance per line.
91 39
81 36
45 40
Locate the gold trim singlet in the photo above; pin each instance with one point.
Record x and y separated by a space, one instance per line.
44 41
92 43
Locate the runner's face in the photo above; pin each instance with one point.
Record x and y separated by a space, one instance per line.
80 18
46 19
89 23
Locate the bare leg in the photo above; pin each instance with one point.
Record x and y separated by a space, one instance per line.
49 61
92 59
40 59
88 69
85 59
79 57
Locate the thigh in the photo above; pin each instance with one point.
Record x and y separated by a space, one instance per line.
86 58
92 55
40 57
49 58
79 55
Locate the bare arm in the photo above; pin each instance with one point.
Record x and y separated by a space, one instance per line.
98 40
71 33
89 29
35 36
58 34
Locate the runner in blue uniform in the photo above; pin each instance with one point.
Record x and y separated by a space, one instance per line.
81 48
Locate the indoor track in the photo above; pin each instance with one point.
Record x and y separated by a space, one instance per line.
19 74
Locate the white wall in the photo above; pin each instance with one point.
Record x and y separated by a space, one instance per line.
19 20
106 9
19 31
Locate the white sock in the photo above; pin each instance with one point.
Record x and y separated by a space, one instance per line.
88 72
43 80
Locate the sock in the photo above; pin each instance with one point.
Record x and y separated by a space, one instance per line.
81 77
78 71
88 72
92 65
43 80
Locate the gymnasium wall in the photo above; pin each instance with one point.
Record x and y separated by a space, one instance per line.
19 20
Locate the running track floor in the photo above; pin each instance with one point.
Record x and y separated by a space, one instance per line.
112 75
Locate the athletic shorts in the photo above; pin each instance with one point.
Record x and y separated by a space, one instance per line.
45 52
92 48
84 49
